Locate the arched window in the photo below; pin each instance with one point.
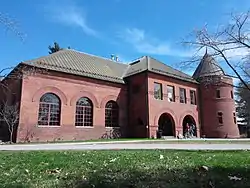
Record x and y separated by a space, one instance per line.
111 114
84 112
49 110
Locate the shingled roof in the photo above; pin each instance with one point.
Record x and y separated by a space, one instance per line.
152 65
208 67
82 64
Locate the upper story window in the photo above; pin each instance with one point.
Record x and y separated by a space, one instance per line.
232 94
171 93
218 93
158 91
235 120
220 117
183 98
193 97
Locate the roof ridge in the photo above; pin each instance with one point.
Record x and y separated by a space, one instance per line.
73 50
101 57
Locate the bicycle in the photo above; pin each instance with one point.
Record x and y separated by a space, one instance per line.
111 134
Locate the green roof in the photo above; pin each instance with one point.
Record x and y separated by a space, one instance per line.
83 64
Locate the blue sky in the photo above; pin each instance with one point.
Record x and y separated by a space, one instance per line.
127 28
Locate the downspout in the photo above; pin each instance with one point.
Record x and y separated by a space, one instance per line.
128 130
147 102
200 111
147 107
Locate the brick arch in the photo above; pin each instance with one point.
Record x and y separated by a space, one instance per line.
189 113
168 111
84 94
49 89
108 98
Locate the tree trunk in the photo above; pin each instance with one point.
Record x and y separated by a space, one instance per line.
11 137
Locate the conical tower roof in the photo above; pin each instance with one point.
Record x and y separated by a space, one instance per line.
208 67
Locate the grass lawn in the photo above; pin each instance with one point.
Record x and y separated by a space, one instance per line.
125 169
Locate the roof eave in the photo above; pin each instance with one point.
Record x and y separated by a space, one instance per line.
50 69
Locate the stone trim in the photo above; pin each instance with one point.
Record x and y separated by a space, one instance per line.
50 89
84 94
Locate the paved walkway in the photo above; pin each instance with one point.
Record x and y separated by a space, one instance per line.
125 145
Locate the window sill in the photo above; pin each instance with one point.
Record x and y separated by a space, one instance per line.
49 126
158 99
112 127
82 127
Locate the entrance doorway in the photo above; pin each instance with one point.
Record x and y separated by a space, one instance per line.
191 130
166 125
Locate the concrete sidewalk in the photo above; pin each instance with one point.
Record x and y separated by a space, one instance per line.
124 145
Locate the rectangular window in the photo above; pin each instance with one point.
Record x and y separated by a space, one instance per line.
217 93
193 97
158 91
235 120
232 95
183 95
171 93
220 117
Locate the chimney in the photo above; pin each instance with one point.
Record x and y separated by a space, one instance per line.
116 58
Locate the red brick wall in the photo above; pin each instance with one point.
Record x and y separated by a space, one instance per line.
137 90
69 88
212 105
176 109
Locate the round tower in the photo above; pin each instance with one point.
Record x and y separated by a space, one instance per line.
217 104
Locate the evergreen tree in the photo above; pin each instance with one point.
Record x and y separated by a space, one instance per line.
54 48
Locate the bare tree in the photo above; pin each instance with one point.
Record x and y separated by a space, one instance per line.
10 116
9 111
11 24
228 39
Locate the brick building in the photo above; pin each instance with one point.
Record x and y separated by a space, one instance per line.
80 96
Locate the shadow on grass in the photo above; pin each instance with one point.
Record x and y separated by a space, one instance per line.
161 178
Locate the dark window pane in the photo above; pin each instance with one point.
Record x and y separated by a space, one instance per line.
171 93
49 110
158 91
220 117
193 97
84 112
111 114
217 93
182 95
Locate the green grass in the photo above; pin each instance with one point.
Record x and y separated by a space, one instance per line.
125 169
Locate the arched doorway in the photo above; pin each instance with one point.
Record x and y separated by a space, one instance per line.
188 119
166 125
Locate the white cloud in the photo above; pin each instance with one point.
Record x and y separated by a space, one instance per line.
69 14
147 44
